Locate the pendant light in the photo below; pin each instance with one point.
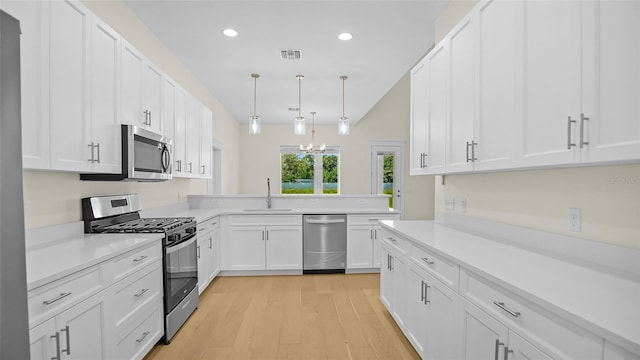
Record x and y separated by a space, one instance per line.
299 127
254 125
311 149
343 123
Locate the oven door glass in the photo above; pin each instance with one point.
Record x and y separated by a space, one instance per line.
181 271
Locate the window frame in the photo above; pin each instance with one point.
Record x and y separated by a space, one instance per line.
318 169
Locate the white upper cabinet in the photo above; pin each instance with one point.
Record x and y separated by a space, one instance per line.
551 82
34 79
206 142
499 75
194 116
153 97
460 144
180 136
419 117
69 85
610 124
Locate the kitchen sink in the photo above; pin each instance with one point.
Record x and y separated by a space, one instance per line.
266 209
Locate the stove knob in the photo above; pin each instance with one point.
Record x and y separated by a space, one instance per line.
190 230
174 238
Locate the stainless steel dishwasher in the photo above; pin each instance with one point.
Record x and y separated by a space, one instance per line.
324 243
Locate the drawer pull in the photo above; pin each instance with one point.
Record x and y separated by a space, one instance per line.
201 229
142 292
427 261
502 306
498 344
144 335
61 296
392 239
140 258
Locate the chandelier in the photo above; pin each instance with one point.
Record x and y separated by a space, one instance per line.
311 149
298 125
254 124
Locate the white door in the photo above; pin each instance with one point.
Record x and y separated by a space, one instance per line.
438 63
153 97
461 109
611 81
417 307
203 262
82 329
360 247
441 326
387 160
386 277
551 82
69 85
131 90
398 267
481 336
105 125
42 341
283 247
419 117
246 248
499 78
521 349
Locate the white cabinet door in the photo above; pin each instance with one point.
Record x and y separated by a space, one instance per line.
417 307
614 352
215 253
386 277
360 247
204 262
132 91
611 73
169 111
462 78
419 117
180 140
246 248
398 267
153 97
481 336
194 115
69 85
34 79
551 82
42 341
441 329
438 63
377 235
284 247
521 349
82 330
499 78
206 143
104 123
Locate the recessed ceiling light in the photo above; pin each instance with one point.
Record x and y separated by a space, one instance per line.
345 36
230 32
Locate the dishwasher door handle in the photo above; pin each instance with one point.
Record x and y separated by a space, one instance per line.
330 221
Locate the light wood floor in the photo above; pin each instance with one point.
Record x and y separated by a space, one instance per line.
289 317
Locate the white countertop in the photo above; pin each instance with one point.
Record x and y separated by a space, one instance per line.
51 260
599 301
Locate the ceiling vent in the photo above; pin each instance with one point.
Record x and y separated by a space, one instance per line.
290 54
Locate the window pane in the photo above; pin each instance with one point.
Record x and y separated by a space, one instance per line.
387 178
330 174
297 173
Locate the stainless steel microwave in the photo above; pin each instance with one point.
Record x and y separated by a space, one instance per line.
146 156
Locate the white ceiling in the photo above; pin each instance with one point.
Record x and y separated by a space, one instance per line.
388 38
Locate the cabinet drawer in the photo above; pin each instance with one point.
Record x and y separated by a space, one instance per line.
207 225
265 220
130 262
556 335
371 219
137 342
396 241
442 269
133 293
49 300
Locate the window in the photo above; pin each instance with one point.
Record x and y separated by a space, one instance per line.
302 173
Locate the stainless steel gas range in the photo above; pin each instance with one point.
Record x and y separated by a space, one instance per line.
121 214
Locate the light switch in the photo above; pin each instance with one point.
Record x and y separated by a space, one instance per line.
574 219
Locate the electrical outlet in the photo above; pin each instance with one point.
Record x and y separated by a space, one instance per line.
450 203
463 205
574 219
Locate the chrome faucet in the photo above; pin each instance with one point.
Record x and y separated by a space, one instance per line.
268 194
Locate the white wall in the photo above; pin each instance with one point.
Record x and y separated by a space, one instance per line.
609 196
54 197
387 120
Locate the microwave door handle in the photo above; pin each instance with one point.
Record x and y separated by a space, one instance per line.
166 159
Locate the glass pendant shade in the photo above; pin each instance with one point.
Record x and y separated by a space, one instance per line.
254 125
299 127
343 126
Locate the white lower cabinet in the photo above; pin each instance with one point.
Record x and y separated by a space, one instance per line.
481 336
208 252
392 282
363 240
272 242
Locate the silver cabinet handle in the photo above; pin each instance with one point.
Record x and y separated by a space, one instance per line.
149 119
141 339
375 234
91 146
140 258
502 306
426 294
262 235
98 147
582 120
421 158
506 352
198 248
468 144
142 292
147 116
190 167
68 350
57 337
391 262
59 297
203 169
498 344
210 242
371 234
179 165
569 122
427 261
473 151
267 234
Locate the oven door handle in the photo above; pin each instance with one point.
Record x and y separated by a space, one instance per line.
181 245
